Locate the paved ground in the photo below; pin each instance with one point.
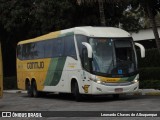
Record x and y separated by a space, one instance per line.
153 92
20 102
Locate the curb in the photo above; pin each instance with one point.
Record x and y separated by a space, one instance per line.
14 91
149 92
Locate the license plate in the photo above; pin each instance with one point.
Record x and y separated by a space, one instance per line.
118 90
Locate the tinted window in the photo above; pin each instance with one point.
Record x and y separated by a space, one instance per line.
69 49
48 48
80 39
58 49
26 52
33 50
54 48
63 46
19 51
39 50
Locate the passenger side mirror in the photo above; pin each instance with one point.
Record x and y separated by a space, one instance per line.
142 49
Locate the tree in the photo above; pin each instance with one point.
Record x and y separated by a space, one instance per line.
130 20
14 17
151 8
24 19
101 7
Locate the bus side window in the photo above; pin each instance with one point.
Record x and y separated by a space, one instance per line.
69 47
60 47
19 52
39 50
48 49
25 51
57 47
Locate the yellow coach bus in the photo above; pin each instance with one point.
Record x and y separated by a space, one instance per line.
1 73
80 60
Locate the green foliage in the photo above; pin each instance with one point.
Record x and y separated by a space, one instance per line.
51 15
152 58
131 23
86 15
149 84
149 69
151 73
29 18
151 9
10 83
14 15
153 4
24 19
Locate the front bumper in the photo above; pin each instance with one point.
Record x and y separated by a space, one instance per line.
104 89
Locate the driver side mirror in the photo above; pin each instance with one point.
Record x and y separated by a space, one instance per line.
85 59
87 56
89 49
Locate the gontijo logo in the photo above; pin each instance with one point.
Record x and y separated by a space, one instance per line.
35 65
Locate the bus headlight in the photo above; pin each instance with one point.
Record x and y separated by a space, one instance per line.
135 81
137 77
98 81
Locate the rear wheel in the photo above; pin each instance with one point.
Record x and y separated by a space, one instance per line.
29 89
34 88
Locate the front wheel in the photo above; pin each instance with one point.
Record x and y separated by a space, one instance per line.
76 93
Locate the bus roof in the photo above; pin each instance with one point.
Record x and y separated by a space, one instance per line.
86 30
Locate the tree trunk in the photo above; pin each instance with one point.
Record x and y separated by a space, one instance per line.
154 25
101 12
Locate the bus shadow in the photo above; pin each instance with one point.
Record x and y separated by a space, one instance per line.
89 98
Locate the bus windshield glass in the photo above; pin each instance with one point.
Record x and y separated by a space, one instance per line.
113 57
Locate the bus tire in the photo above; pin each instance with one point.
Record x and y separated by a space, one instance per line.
29 89
76 93
34 88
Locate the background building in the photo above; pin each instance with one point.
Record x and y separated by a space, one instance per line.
145 37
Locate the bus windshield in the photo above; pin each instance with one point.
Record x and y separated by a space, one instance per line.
113 57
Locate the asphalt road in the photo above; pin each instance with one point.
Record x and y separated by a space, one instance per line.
52 102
